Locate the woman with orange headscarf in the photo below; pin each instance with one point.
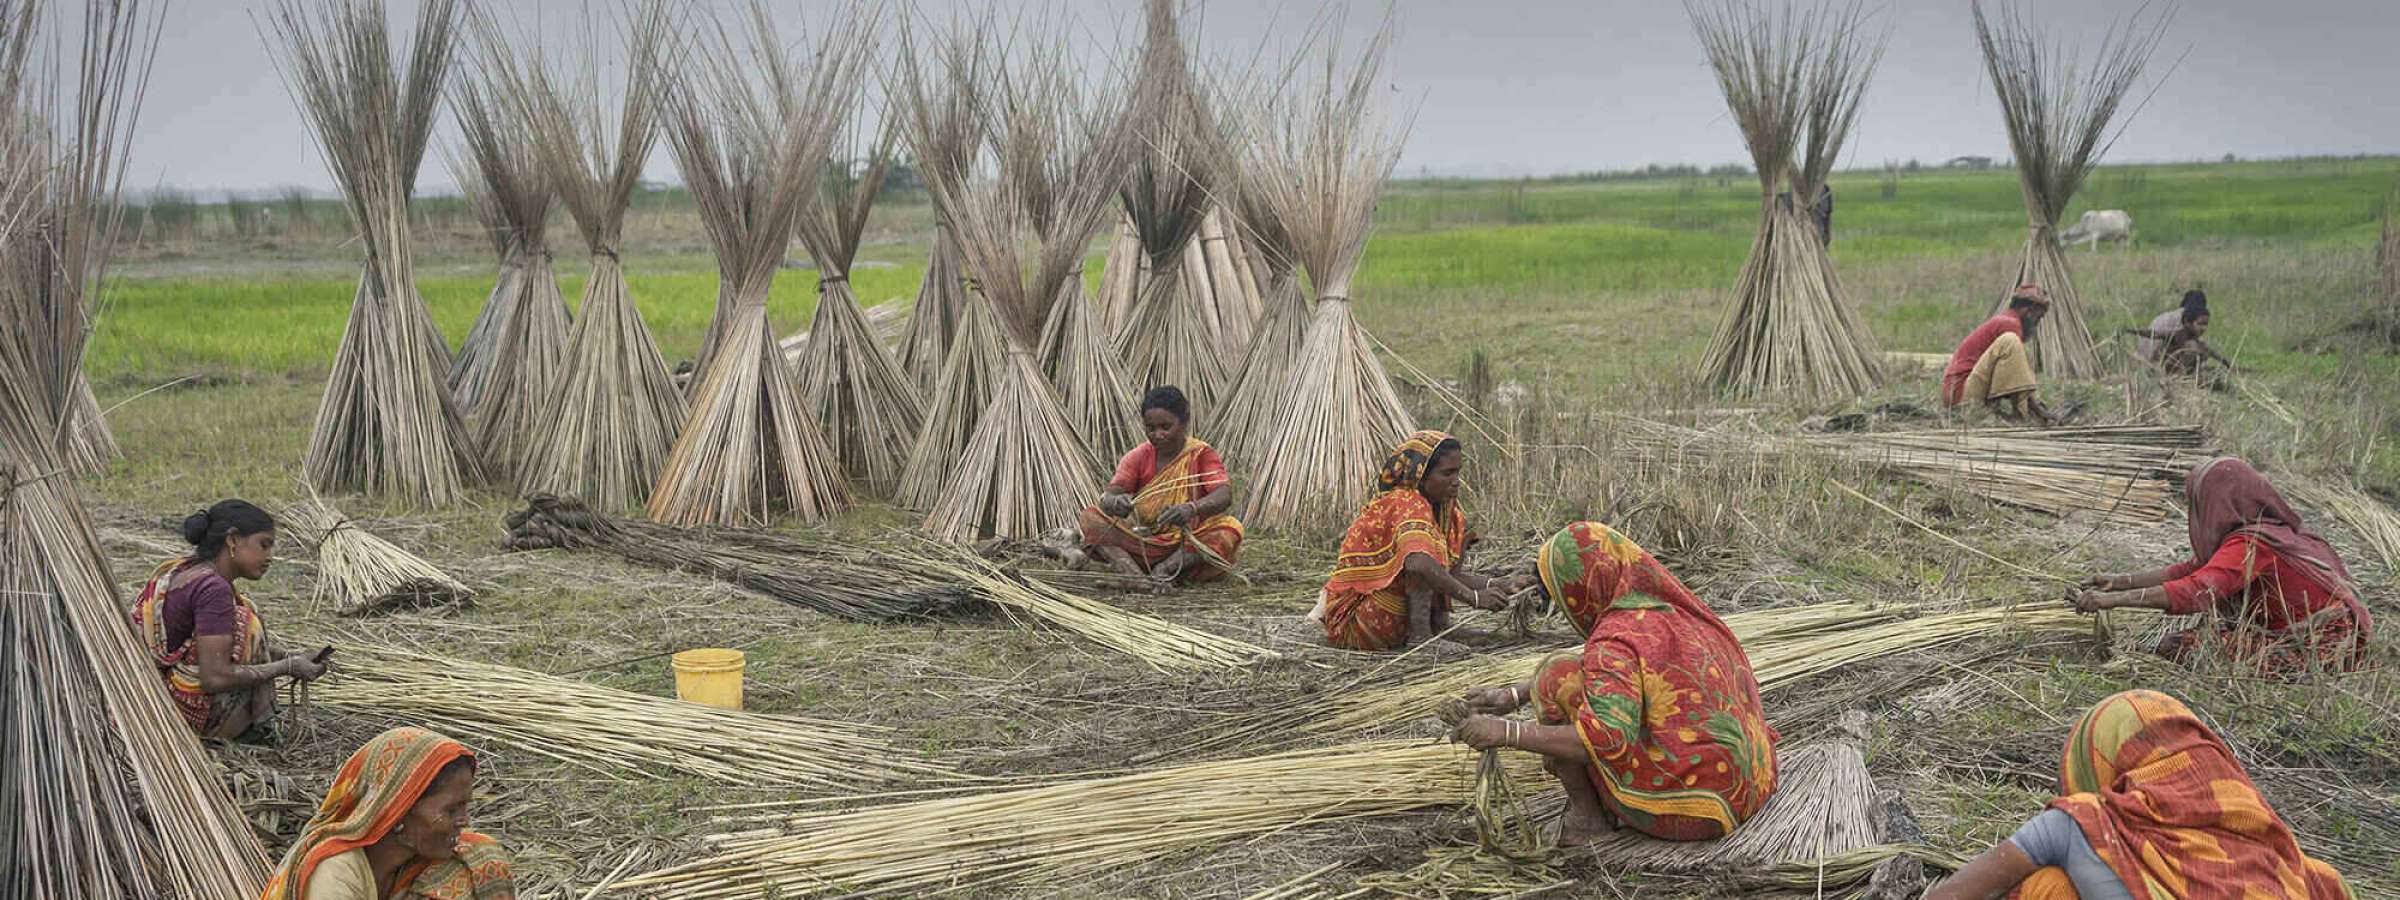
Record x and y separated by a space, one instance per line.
2282 598
2155 808
394 824
1657 724
1398 571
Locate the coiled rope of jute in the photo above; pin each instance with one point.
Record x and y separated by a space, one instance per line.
1503 824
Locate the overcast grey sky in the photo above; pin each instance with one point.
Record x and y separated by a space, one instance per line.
1508 87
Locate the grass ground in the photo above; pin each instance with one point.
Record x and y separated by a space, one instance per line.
1596 297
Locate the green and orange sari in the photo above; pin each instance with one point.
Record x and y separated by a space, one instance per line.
1191 475
1662 694
372 794
2163 802
1365 602
179 666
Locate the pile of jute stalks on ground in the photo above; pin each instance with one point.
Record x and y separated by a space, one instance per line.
359 573
2131 473
612 731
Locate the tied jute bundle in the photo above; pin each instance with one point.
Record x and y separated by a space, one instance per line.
360 574
849 583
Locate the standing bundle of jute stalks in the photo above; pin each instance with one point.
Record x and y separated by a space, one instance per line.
751 132
1319 160
1068 830
1179 164
613 411
2387 263
1162 645
387 425
1253 410
613 731
104 789
361 574
951 142
1793 79
2059 110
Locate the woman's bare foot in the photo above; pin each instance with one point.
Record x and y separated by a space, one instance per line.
1119 560
1172 567
1577 827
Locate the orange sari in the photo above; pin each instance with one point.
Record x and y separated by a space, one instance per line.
1365 601
373 794
2163 802
1191 475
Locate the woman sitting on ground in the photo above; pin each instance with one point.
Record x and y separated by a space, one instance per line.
1991 367
2284 601
1657 724
206 639
1163 514
2173 340
2154 805
1399 568
394 824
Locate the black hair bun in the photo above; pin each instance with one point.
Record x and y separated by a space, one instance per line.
195 528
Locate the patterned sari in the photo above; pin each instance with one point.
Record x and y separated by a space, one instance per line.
1662 694
372 794
179 666
1191 475
2165 805
1365 602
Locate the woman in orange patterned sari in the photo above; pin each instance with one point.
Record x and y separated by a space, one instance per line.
208 642
1164 513
2155 808
394 824
1398 571
1657 724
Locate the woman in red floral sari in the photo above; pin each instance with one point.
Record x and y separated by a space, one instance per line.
394 825
2282 599
1657 724
1398 571
1164 513
2153 807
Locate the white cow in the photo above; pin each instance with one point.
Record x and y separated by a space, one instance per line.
2112 225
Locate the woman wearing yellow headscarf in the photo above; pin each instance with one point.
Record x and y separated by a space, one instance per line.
1398 571
2155 808
394 824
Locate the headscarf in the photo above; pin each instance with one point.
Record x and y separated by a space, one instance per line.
1399 522
1407 464
2164 803
1587 568
372 794
2225 496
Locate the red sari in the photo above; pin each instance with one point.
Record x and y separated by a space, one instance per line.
2285 602
1193 473
2163 802
1365 601
1662 695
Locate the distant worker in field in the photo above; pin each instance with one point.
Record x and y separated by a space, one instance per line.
1991 366
2173 340
394 825
2284 602
1163 514
1399 569
2153 804
208 643
1656 725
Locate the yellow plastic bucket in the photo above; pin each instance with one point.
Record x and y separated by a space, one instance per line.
710 676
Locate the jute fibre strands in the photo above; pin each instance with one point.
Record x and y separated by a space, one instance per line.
359 573
614 410
945 84
387 424
614 732
2059 111
1792 79
1162 645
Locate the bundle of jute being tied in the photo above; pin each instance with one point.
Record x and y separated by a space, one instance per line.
613 411
388 424
847 582
1180 162
2059 111
612 731
866 405
104 789
1793 78
506 392
360 574
1024 468
1319 159
751 132
952 142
